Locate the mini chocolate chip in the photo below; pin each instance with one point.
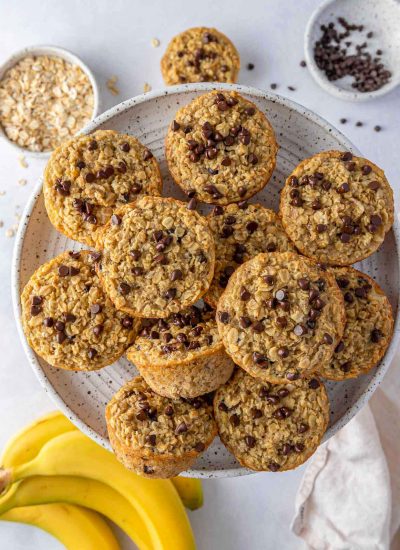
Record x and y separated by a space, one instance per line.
92 145
376 335
124 288
95 309
92 353
73 271
273 466
98 329
360 292
63 271
342 283
283 392
223 316
327 339
348 297
142 415
36 309
160 259
346 156
343 188
115 220
281 322
339 347
252 159
300 330
316 205
217 210
199 447
314 383
283 352
258 327
251 226
48 322
281 294
127 322
374 185
376 220
244 294
303 283
244 322
192 204
303 428
170 294
175 126
147 155
176 275
137 271
181 428
299 448
61 337
256 413
152 438
366 169
260 359
250 441
234 420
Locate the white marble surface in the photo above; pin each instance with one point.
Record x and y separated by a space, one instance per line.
114 37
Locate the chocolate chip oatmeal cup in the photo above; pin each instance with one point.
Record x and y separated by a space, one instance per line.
155 436
221 148
89 177
200 54
241 231
182 355
337 208
67 318
281 317
368 330
158 257
270 427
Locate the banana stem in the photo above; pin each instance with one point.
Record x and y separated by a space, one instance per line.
5 478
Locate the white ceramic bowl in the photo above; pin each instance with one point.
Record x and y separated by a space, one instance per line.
82 396
53 51
382 17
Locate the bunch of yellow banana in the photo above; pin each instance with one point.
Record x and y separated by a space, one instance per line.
56 478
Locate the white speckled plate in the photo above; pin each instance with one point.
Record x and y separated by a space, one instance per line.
300 133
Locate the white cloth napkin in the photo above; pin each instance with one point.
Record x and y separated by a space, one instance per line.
349 497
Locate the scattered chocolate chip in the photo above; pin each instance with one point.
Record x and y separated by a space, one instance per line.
303 283
314 383
61 337
92 353
244 322
63 271
147 155
258 327
273 466
250 441
244 294
181 428
327 339
283 352
343 188
223 316
95 309
48 322
170 294
300 330
124 288
376 335
281 294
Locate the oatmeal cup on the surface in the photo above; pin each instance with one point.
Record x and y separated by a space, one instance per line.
271 427
182 355
281 316
155 436
67 318
200 54
337 208
241 231
368 330
221 148
158 257
90 176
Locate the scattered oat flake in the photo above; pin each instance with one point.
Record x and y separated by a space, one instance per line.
22 161
155 42
22 182
10 232
146 87
111 85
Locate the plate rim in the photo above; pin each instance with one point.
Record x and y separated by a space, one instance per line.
101 119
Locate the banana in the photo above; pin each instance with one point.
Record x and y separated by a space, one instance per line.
156 500
27 443
75 527
190 491
90 493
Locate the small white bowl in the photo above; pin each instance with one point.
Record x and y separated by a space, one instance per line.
53 51
382 17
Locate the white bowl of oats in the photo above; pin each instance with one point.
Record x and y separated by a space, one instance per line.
47 95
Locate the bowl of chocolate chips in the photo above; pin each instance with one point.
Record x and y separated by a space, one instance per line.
352 47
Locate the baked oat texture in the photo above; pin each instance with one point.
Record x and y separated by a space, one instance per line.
337 208
269 427
87 178
221 148
155 436
368 330
67 318
281 316
158 257
241 231
200 54
182 356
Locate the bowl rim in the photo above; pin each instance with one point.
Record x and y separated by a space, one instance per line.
52 51
320 77
116 111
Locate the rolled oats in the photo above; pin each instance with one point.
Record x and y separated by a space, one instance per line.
44 101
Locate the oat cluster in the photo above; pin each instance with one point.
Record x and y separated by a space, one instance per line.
44 101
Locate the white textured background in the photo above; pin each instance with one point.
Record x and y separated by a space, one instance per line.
114 38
